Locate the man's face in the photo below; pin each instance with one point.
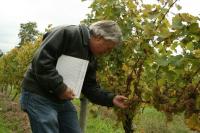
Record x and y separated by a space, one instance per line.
99 46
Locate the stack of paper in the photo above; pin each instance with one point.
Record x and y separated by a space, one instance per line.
73 71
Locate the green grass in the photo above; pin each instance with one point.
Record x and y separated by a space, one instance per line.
149 121
3 128
100 125
10 117
101 120
96 122
152 121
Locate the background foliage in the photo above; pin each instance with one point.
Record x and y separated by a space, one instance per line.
157 64
13 65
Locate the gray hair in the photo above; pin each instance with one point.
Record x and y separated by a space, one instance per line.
108 29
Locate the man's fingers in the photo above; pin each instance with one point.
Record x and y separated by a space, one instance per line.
121 101
68 94
123 98
73 95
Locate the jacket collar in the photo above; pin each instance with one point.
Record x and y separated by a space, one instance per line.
85 34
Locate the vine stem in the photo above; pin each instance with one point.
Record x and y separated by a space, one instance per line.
166 13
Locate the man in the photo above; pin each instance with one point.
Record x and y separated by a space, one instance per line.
45 98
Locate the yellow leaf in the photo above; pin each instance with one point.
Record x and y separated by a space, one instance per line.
193 122
125 67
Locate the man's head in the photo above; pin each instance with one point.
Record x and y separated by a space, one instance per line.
105 35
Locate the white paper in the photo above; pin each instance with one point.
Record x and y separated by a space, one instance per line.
73 71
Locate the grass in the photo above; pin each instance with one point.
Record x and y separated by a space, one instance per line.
12 119
98 120
3 126
152 121
103 120
100 125
149 121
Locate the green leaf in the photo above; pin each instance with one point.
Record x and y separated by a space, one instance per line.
162 61
173 46
190 46
194 28
178 7
198 103
186 17
164 32
171 75
177 23
161 81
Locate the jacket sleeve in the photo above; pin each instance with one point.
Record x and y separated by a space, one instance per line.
45 60
93 91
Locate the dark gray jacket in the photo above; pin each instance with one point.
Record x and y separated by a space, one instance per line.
42 77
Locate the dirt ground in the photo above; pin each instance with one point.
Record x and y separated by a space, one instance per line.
15 119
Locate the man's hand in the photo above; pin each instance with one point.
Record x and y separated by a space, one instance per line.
120 101
68 94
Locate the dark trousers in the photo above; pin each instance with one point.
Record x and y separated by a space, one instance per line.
49 117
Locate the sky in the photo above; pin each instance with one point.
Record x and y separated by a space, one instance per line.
56 12
43 12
